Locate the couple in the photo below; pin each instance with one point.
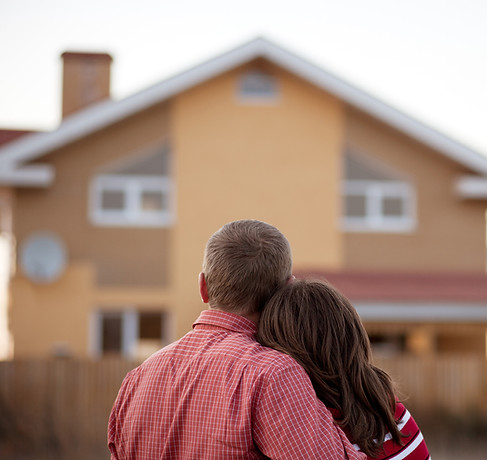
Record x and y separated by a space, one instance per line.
217 393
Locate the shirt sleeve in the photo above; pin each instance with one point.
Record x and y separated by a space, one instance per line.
117 415
413 444
113 425
292 423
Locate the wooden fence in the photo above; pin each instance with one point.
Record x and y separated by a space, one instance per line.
455 384
57 406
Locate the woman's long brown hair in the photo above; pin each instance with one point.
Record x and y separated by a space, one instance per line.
316 325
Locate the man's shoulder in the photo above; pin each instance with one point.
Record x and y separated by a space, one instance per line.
272 361
273 356
228 350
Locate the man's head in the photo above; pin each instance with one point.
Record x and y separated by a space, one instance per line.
244 263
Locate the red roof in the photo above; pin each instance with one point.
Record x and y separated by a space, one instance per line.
8 135
405 286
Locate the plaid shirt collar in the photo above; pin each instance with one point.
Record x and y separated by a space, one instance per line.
217 319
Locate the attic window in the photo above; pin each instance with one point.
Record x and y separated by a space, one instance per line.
135 194
257 86
376 199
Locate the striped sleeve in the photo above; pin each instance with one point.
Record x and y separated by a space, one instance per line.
414 445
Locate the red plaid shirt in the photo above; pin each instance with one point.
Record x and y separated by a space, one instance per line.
218 394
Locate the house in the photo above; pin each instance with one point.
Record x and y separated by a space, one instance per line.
111 211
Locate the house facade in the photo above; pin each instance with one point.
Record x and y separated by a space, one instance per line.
111 211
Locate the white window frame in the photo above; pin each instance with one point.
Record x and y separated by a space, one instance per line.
132 215
375 192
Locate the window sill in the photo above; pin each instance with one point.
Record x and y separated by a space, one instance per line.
361 227
110 221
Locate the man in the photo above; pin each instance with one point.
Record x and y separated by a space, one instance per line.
217 393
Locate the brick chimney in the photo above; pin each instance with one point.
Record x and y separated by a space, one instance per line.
86 80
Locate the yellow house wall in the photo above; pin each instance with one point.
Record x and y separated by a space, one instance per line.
52 318
278 162
122 267
450 235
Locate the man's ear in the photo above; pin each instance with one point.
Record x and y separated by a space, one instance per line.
203 288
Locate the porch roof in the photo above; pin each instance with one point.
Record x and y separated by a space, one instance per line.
391 286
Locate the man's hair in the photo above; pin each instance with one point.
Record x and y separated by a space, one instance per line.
244 263
317 325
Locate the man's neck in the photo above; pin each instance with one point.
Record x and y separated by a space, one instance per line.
254 317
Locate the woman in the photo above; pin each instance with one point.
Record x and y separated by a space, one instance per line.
319 328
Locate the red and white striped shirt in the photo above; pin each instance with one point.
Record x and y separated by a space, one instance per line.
414 445
218 394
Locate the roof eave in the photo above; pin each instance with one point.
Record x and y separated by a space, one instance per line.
472 187
424 312
27 176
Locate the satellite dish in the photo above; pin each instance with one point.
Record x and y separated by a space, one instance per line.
43 257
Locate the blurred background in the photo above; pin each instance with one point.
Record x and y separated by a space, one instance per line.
131 131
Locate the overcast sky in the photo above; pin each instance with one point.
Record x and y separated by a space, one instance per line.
427 58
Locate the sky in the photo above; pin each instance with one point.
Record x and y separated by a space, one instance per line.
427 58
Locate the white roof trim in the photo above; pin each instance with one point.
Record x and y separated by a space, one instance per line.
107 112
472 187
430 312
27 176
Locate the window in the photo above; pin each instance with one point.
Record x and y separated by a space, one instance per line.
375 199
152 333
130 333
133 194
111 333
257 86
131 200
379 206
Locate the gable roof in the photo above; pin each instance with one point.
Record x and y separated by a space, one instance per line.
105 113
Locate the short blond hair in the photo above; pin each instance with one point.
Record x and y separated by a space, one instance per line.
244 263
